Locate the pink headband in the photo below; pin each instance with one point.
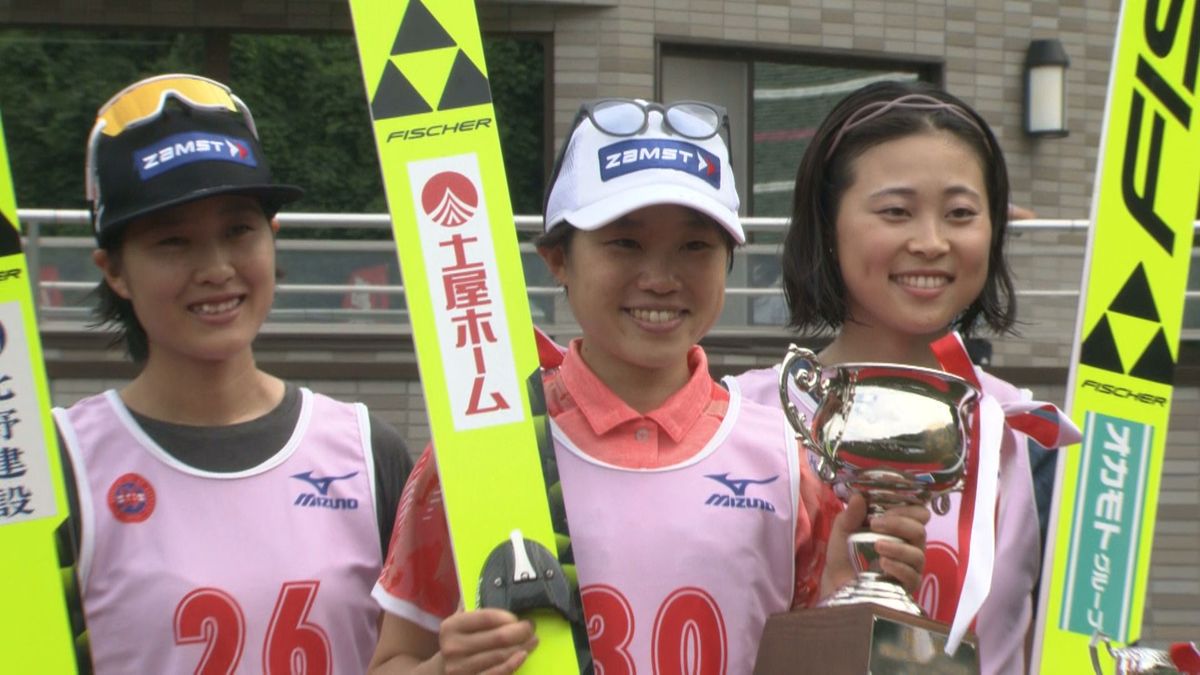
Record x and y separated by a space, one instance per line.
912 101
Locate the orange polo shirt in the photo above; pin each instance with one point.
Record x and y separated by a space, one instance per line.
605 427
418 580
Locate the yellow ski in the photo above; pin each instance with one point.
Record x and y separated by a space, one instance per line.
435 131
1127 341
35 627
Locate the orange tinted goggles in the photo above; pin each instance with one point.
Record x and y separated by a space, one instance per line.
144 101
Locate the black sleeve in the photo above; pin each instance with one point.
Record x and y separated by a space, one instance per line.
67 538
392 466
72 527
1042 464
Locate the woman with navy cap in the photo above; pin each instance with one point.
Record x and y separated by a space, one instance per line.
227 521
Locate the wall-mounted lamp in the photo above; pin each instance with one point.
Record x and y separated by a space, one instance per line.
1046 89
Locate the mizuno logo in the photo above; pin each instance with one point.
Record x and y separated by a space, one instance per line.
739 500
323 500
738 485
322 484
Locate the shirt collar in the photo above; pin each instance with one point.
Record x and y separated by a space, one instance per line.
604 410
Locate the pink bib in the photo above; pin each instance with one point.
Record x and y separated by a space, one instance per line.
189 571
680 566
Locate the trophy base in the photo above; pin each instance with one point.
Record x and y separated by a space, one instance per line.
868 588
860 639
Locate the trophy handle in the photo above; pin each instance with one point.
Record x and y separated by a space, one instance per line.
940 503
1097 638
801 366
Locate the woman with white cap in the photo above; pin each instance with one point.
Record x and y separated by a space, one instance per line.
692 515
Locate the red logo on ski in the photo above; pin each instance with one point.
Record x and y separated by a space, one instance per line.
449 199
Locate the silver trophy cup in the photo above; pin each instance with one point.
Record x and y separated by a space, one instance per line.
896 434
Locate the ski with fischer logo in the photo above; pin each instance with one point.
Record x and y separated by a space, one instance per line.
439 150
1119 392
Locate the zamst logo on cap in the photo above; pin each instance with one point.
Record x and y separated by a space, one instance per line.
181 149
633 155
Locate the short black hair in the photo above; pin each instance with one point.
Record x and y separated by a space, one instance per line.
812 278
114 313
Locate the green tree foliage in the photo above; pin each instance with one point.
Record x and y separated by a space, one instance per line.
516 69
51 83
306 93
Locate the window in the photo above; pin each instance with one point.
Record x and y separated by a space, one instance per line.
775 101
789 103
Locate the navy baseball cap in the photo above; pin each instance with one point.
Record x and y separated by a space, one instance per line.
173 139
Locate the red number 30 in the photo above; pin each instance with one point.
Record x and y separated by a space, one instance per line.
688 634
292 644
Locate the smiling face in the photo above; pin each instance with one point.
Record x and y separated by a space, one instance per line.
913 237
644 290
200 277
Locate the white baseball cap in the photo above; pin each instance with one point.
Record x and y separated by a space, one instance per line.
625 154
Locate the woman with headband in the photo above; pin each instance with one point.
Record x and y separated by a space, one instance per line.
896 244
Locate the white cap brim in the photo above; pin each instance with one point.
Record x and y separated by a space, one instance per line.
604 211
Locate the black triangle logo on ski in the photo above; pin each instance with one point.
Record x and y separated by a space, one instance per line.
1099 349
466 85
395 96
10 238
420 31
1156 364
1136 298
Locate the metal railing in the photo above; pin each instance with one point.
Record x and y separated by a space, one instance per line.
332 281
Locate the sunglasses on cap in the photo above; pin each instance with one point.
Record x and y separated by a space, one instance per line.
624 117
144 101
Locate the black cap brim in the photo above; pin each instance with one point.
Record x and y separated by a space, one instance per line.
272 198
